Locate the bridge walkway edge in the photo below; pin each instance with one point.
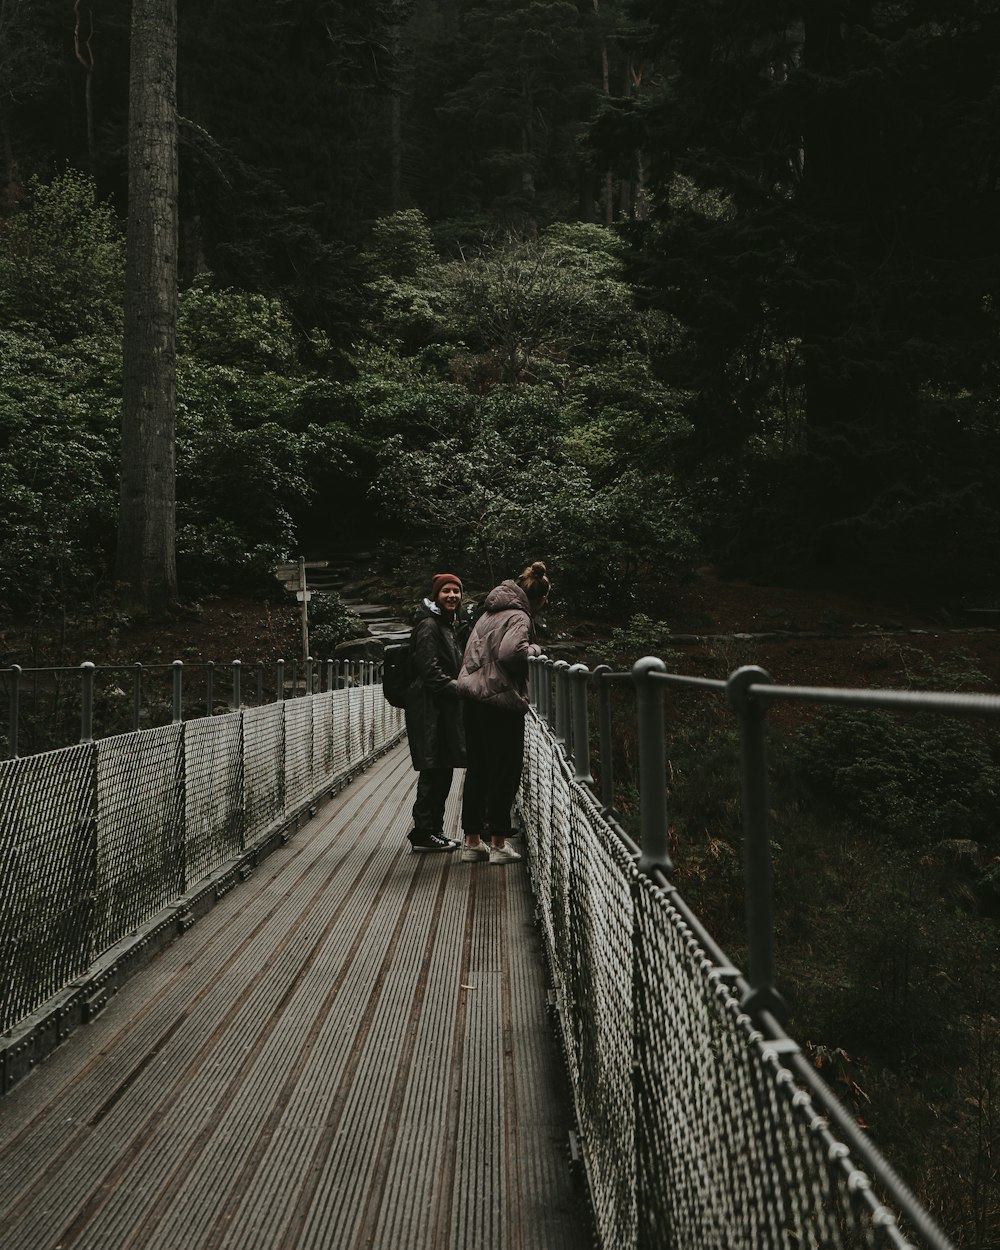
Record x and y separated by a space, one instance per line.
350 1049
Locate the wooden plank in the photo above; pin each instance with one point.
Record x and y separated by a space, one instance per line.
308 1067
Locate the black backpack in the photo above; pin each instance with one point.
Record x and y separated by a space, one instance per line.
397 673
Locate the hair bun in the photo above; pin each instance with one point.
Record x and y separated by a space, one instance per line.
538 569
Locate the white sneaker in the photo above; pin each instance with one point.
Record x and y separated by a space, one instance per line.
503 854
471 853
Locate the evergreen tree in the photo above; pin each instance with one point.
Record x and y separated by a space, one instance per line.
826 184
147 557
498 97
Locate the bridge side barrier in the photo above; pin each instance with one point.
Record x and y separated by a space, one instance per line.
42 709
110 848
702 1123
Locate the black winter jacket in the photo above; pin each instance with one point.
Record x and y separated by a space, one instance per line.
434 724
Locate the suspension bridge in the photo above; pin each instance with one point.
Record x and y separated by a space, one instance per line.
237 1012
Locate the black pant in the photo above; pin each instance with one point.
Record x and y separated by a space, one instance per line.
494 746
433 788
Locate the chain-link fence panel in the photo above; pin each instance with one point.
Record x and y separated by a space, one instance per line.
48 872
324 736
600 946
263 766
298 748
731 1149
340 730
214 821
535 808
696 1133
96 839
140 824
369 722
558 833
355 730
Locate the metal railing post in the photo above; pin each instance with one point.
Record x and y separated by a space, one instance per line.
561 670
751 714
605 740
136 697
260 682
87 671
280 693
655 852
548 695
535 666
178 680
329 675
309 674
237 699
541 687
15 708
347 717
210 688
579 676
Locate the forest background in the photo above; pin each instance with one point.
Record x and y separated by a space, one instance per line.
641 287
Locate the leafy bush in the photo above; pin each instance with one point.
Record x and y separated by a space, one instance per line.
62 260
59 468
641 636
331 622
915 777
235 489
239 328
605 540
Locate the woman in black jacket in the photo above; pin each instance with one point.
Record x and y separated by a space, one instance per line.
433 713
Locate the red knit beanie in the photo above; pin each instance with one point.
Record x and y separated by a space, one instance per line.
445 579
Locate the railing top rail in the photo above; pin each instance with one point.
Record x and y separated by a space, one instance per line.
900 700
962 704
166 665
698 683
605 675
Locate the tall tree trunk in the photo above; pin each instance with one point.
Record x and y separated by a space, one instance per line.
609 202
396 114
83 34
147 562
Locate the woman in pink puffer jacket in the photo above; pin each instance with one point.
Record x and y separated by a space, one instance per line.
494 684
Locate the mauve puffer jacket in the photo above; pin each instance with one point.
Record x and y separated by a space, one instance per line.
495 668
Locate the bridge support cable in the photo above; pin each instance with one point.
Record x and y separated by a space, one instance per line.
701 1122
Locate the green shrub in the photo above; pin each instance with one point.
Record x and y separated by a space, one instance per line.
915 778
62 260
331 622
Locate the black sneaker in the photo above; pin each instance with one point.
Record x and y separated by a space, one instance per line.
430 842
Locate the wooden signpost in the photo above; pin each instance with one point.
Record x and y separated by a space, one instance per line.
293 579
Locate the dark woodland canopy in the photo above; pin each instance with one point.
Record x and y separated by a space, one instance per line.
799 198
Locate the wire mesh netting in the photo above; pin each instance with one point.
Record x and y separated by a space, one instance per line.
214 824
48 876
264 764
96 839
298 746
695 1132
140 828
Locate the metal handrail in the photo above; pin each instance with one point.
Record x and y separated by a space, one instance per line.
86 675
750 692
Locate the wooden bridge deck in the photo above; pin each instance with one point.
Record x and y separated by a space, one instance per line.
351 1049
